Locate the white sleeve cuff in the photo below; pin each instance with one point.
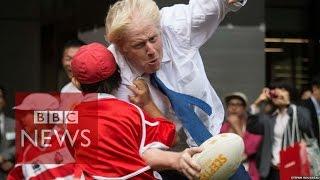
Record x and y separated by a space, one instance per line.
254 109
155 145
237 5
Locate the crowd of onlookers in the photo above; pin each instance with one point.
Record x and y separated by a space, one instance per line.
261 124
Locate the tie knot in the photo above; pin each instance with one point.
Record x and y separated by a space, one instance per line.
153 75
153 80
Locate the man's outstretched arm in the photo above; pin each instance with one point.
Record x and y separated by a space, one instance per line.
195 22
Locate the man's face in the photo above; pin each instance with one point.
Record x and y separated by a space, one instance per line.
143 47
2 101
66 59
316 92
236 106
281 98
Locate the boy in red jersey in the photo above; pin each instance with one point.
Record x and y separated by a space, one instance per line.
125 142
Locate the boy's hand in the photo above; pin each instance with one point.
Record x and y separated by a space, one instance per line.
187 165
141 93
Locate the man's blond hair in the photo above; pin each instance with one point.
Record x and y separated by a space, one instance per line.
122 13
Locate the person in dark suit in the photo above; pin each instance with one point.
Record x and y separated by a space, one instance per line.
272 126
313 104
7 138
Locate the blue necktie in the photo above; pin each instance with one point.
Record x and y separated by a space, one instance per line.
182 106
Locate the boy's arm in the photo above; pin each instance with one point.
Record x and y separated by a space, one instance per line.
180 161
143 99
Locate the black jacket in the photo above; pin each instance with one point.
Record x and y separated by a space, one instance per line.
264 125
314 117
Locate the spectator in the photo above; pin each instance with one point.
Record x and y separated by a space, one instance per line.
313 104
68 96
272 127
69 50
236 120
305 94
7 138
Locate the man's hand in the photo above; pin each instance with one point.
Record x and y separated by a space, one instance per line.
232 1
265 95
141 92
187 165
235 123
234 120
235 5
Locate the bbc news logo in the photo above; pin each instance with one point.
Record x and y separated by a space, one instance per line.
55 117
42 137
47 123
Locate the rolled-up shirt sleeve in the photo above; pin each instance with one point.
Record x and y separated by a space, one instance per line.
195 22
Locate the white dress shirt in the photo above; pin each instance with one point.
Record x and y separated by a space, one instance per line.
316 105
279 129
184 28
70 96
70 88
2 119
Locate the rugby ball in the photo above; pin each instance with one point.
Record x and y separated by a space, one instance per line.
221 156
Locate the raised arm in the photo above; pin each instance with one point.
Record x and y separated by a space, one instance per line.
194 23
256 119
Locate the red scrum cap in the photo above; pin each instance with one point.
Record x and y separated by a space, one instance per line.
93 63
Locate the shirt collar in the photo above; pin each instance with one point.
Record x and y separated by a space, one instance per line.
315 103
286 110
1 119
128 72
97 96
105 96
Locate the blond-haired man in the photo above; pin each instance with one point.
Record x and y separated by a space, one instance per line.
146 40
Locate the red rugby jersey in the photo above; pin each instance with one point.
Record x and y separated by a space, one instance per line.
119 133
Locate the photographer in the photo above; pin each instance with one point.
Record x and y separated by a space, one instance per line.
273 126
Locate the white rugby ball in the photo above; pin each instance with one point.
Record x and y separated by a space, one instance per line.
221 156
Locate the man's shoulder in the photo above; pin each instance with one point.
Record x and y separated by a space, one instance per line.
69 88
302 108
10 122
303 112
10 119
307 103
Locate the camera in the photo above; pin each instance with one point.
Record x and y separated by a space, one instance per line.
273 94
